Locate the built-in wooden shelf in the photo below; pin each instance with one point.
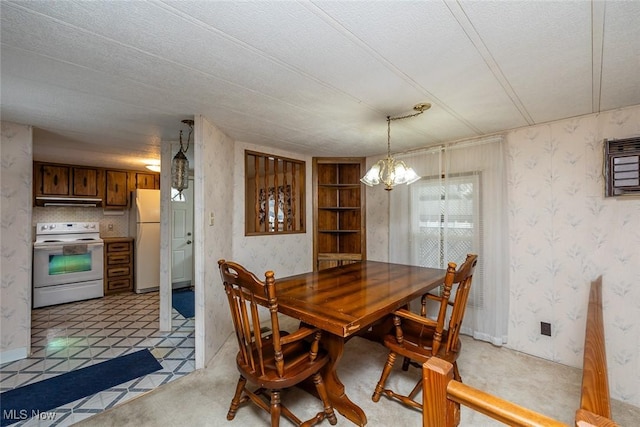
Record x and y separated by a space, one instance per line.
341 186
339 211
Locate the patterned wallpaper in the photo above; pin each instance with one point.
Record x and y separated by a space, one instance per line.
167 150
214 194
15 238
564 234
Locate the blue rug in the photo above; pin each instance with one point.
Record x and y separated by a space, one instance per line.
27 401
184 303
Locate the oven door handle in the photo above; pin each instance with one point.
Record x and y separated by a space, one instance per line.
59 247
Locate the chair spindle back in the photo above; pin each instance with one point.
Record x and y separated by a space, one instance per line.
245 293
464 278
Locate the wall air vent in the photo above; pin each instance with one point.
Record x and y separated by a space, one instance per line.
622 167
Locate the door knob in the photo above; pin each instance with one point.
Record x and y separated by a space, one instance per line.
188 242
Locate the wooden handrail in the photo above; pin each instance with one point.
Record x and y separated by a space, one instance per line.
595 384
442 391
442 395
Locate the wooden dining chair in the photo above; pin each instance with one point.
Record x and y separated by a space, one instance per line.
274 360
417 337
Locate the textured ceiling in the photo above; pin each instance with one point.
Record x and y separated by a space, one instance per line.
106 82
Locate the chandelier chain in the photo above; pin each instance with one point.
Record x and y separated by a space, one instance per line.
388 136
190 124
419 108
184 150
405 117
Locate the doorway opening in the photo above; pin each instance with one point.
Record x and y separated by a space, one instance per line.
182 239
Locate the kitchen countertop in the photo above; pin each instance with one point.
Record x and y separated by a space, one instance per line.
117 239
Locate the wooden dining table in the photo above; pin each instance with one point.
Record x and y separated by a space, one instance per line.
347 300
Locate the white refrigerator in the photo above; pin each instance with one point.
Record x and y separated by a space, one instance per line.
145 227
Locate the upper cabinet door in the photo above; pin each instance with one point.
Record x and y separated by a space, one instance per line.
117 189
52 180
148 181
85 182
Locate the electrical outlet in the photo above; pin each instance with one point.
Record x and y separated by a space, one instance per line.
545 328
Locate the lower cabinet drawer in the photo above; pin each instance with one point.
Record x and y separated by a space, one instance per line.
118 284
120 258
117 247
118 271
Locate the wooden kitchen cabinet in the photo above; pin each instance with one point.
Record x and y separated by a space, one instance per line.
117 190
58 180
51 179
146 180
118 265
86 182
338 212
54 184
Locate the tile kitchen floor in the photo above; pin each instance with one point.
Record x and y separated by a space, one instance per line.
80 334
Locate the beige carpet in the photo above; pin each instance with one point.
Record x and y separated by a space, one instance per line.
202 398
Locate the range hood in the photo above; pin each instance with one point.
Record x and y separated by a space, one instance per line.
68 201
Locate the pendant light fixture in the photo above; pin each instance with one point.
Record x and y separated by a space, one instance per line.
390 171
180 163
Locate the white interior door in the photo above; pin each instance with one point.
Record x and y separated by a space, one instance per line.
182 237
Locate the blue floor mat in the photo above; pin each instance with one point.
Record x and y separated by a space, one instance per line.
184 303
27 401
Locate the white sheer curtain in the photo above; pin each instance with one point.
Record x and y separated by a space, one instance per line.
458 207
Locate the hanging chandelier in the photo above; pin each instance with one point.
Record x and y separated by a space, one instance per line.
180 163
390 171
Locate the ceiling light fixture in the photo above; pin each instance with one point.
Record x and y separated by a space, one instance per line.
390 171
180 163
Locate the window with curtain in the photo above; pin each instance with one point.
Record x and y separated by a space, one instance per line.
458 207
446 223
